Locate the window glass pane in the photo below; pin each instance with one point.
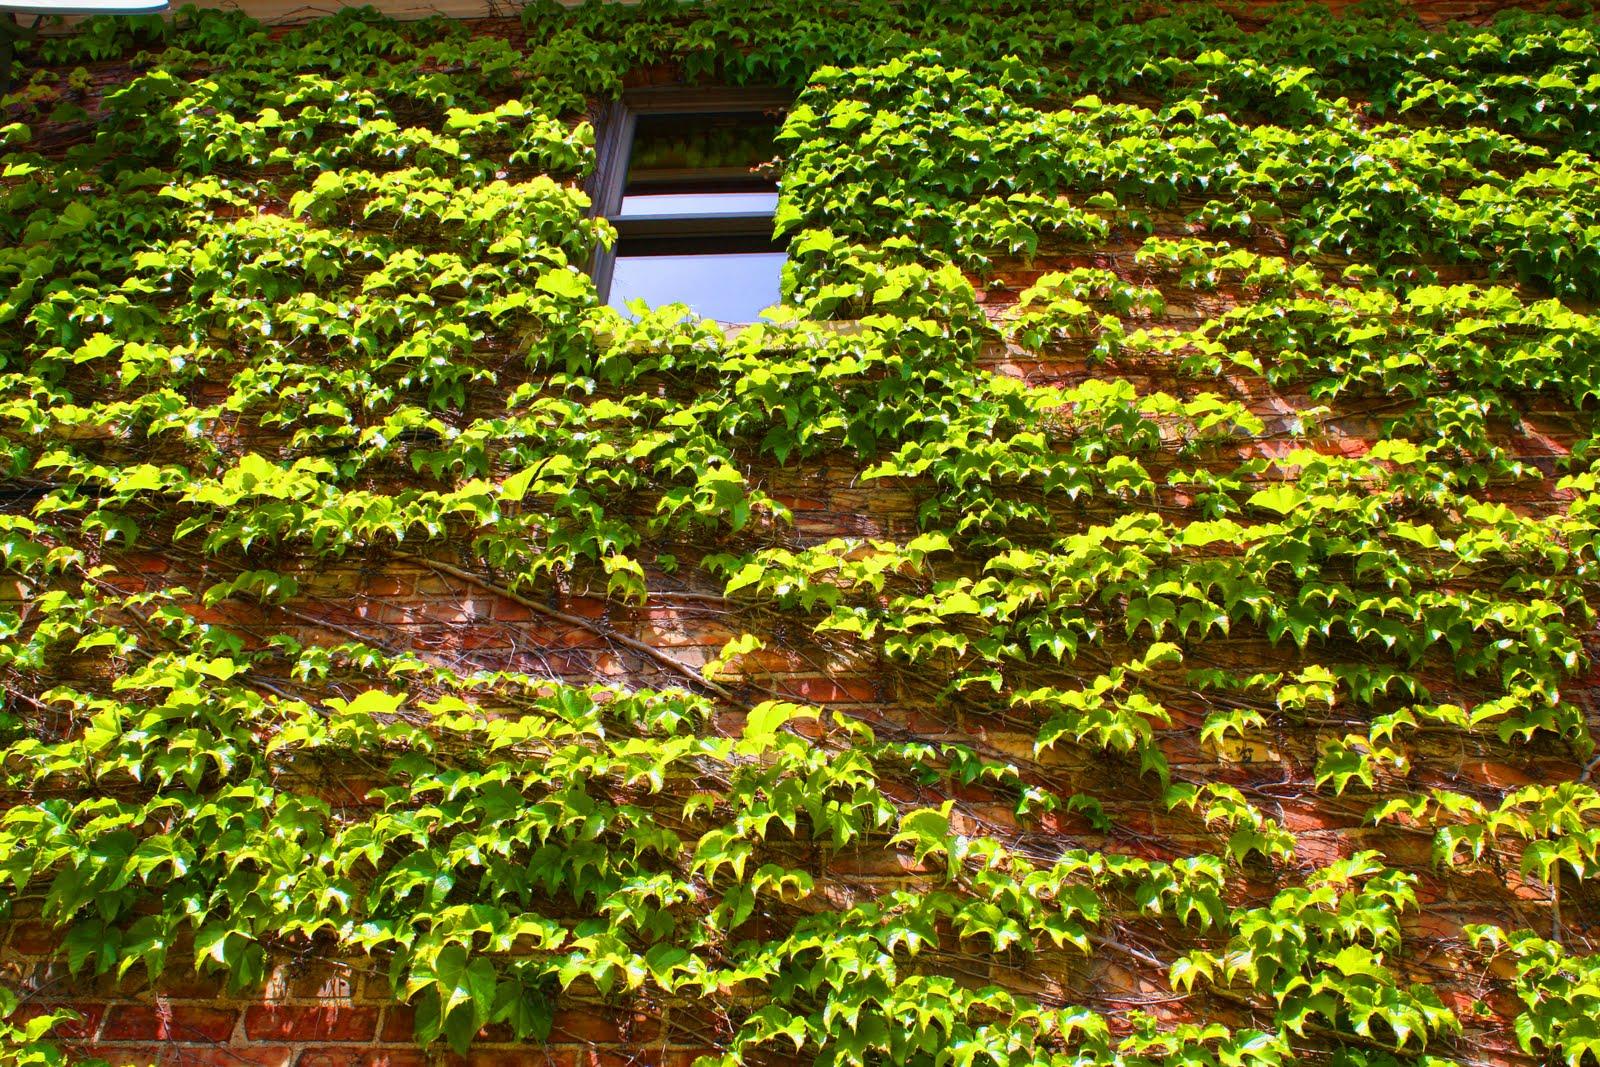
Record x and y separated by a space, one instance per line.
731 287
698 204
704 152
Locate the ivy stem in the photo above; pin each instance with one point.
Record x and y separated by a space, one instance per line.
681 669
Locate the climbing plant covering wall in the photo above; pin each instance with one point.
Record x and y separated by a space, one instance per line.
1133 603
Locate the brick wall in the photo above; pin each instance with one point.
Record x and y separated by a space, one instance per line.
325 1012
318 1011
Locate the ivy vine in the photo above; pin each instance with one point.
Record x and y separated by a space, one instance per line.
1217 392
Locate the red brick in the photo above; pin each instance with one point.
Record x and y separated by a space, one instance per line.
384 613
497 1034
399 1023
771 659
578 637
25 908
396 1057
596 1058
34 938
1495 774
874 864
831 690
389 585
588 607
507 1057
311 983
274 1022
576 1025
428 584
482 636
226 613
146 563
800 503
644 1028
504 610
168 1022
353 790
123 1055
222 1056
176 983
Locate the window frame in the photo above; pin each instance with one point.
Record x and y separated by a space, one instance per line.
680 234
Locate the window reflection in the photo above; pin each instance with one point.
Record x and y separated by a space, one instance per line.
698 204
730 286
693 208
700 151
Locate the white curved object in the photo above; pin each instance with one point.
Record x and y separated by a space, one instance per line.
83 7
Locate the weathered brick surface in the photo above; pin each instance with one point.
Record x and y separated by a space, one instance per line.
166 1021
310 1023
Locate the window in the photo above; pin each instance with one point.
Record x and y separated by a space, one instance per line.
680 178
